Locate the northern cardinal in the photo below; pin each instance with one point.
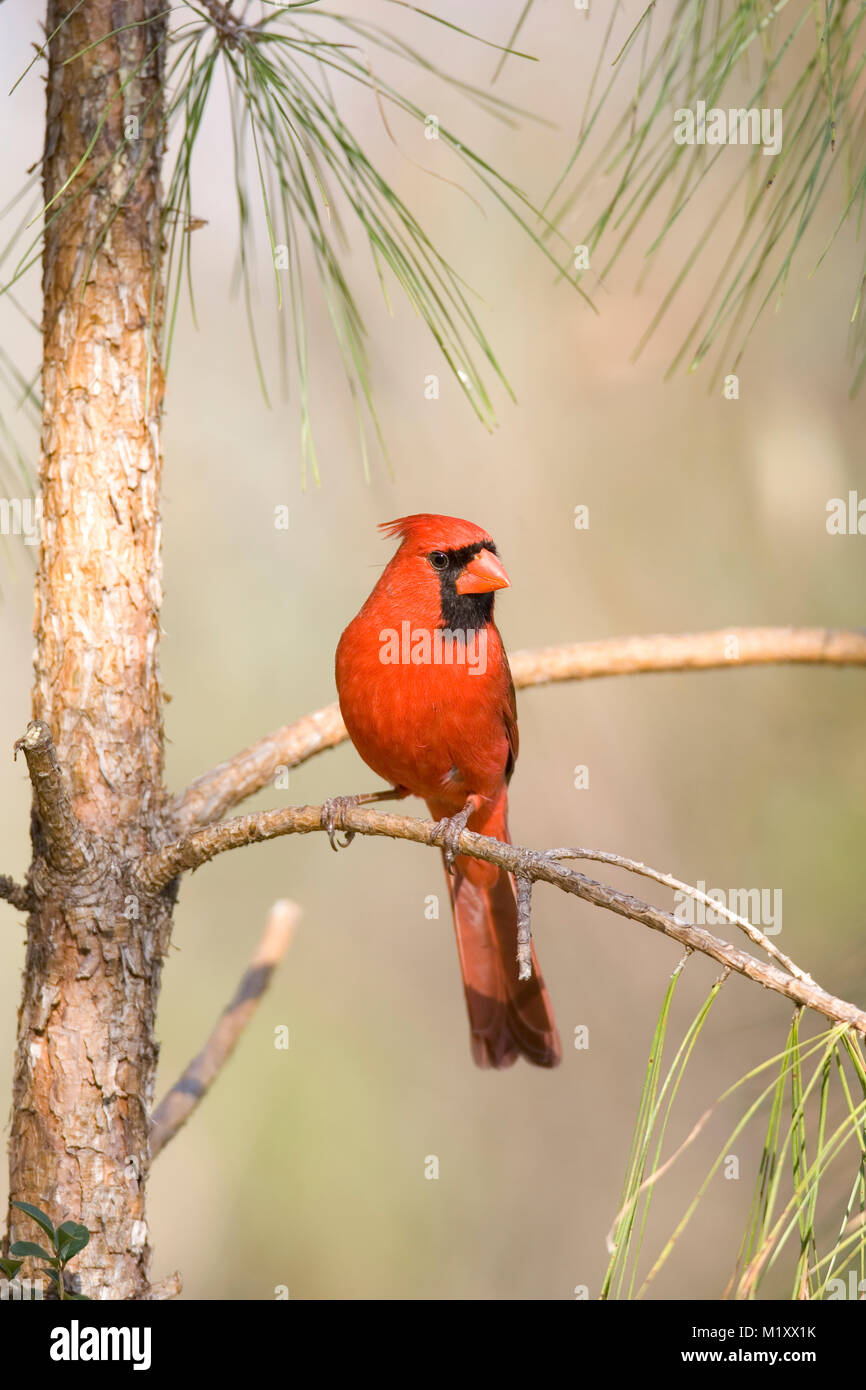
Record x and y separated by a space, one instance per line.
435 716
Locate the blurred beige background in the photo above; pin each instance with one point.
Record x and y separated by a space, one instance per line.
306 1168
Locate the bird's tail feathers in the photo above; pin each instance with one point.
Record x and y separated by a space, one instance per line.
508 1017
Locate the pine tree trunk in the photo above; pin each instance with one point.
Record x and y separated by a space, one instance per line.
86 1055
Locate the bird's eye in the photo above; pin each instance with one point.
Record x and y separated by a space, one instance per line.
439 560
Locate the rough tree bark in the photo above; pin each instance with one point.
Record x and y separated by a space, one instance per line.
86 1055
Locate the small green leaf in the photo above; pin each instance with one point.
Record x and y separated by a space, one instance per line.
28 1247
38 1216
52 1274
80 1297
10 1267
71 1239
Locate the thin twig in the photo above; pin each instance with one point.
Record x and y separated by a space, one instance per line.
696 651
68 847
16 894
635 867
223 787
154 871
193 1086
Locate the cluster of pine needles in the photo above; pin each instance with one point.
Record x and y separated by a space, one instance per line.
805 1233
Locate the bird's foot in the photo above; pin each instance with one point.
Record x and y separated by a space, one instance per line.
448 831
335 808
333 811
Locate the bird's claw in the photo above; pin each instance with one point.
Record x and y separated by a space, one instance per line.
448 832
332 815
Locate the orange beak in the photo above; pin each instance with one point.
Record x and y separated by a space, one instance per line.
483 574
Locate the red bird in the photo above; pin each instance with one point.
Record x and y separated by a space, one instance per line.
427 697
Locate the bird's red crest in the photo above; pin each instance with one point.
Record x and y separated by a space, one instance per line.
429 530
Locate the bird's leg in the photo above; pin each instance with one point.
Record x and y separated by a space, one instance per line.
334 808
449 830
524 927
